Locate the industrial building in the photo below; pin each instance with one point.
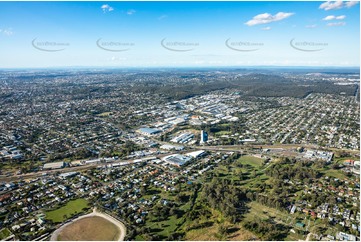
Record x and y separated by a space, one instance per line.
172 147
68 174
54 165
177 159
196 154
148 131
183 138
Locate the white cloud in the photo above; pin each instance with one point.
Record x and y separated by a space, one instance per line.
336 24
351 3
332 17
312 26
131 12
341 17
106 8
7 32
329 5
266 28
266 18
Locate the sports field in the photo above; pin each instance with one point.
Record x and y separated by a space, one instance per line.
67 211
92 228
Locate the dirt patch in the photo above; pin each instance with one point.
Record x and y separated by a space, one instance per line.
92 228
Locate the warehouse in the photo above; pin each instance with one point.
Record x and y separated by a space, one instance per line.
54 165
177 159
148 131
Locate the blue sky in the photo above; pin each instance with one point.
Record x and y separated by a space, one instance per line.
158 34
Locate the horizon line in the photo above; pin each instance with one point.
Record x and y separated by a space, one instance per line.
177 67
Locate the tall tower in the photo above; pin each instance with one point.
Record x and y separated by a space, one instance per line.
204 136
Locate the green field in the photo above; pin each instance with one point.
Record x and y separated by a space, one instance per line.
219 133
105 114
258 210
250 160
67 211
264 212
4 233
335 173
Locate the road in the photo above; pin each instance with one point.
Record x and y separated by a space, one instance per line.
228 148
40 173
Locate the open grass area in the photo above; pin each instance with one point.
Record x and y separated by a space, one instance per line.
235 233
250 160
90 229
263 212
163 228
258 210
335 173
67 211
210 232
4 233
342 159
105 114
219 133
166 227
203 234
294 237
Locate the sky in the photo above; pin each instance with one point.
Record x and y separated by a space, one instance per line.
179 34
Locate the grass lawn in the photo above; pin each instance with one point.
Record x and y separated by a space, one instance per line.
219 133
294 237
251 160
211 232
236 233
105 114
340 160
258 210
67 211
4 233
334 173
264 212
164 228
167 227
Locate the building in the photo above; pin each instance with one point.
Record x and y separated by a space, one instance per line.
346 237
204 136
172 147
54 165
177 159
68 174
196 154
183 138
356 167
148 131
293 209
321 155
300 225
